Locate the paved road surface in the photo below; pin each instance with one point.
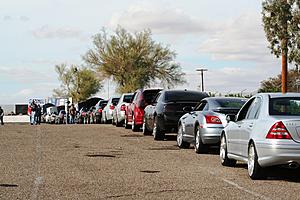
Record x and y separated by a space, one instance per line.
105 162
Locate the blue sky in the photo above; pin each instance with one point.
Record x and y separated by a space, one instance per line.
226 37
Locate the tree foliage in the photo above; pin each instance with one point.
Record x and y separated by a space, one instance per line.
133 60
273 84
281 20
80 83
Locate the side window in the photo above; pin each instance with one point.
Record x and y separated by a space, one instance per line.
254 109
206 107
243 112
136 96
201 106
156 99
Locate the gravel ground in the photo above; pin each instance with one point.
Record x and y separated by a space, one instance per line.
105 162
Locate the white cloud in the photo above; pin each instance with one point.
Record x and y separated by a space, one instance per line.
47 32
242 39
159 20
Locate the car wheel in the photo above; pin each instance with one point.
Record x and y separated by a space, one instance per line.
118 124
145 129
105 119
199 146
254 169
113 122
180 142
127 126
225 161
157 132
134 127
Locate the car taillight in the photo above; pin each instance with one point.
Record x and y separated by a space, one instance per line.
99 110
111 107
278 131
212 119
123 107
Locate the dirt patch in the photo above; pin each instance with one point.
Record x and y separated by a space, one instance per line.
8 185
150 171
132 136
173 147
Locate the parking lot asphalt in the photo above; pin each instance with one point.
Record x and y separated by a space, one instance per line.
105 162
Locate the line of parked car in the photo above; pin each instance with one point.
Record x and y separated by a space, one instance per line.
262 131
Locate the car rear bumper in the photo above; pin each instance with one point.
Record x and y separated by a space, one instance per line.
211 135
270 154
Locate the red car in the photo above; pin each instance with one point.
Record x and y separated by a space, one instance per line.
134 112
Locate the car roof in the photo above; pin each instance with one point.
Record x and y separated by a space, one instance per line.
279 94
223 98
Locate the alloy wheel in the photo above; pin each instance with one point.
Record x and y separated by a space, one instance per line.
179 136
223 149
251 159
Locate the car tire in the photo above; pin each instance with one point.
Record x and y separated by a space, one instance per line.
180 142
255 171
158 134
113 122
134 127
199 146
127 126
225 161
118 124
105 119
146 131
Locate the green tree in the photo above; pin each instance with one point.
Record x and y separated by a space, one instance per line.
273 84
80 83
281 24
133 60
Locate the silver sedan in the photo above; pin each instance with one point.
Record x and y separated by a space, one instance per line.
266 132
203 125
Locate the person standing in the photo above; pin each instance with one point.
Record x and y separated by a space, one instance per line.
72 112
38 114
1 115
33 107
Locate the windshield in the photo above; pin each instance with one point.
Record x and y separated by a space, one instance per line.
285 106
230 103
173 96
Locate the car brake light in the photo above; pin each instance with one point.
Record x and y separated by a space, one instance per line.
111 107
123 107
278 131
212 119
99 110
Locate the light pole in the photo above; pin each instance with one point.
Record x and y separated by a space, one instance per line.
201 70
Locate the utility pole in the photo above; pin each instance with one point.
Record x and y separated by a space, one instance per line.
284 55
201 70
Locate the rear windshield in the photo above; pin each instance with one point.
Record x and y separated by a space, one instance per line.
103 102
174 96
149 95
115 101
285 106
230 103
127 98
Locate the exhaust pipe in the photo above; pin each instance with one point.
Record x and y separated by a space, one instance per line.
293 165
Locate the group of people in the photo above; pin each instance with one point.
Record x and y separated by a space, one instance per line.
35 113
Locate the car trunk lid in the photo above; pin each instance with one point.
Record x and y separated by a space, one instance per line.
293 127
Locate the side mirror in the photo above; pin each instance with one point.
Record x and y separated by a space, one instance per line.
230 118
187 109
